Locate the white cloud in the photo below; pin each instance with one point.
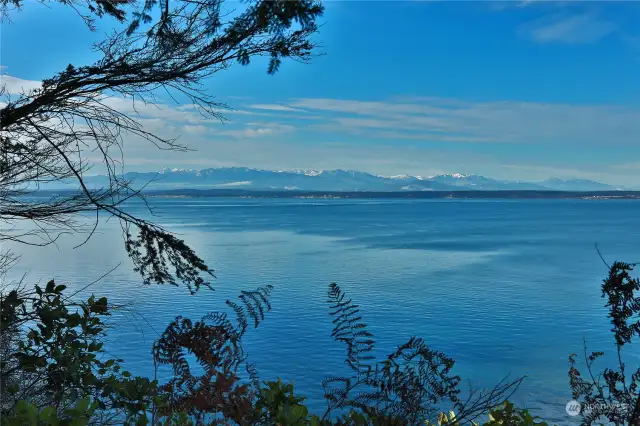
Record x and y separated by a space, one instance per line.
178 114
573 29
196 129
173 121
252 133
271 150
275 107
385 159
234 184
632 167
433 119
359 107
15 86
186 113
256 130
323 136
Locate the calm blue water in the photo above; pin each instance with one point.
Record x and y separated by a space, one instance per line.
504 287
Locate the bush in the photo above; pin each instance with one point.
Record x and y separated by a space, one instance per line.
55 372
505 415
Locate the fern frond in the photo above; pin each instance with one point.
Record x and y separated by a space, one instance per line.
263 293
241 317
350 330
253 304
249 307
216 343
181 367
253 375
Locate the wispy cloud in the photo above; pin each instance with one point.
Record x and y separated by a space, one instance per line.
434 119
196 129
367 134
572 29
634 166
185 113
256 130
14 86
275 107
386 159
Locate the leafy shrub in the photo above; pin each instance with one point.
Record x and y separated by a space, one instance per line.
505 415
54 361
56 372
613 395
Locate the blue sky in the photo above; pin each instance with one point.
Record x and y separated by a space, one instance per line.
513 90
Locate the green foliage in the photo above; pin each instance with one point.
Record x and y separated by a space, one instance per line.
403 388
27 414
445 419
64 380
509 415
281 406
504 415
56 361
613 395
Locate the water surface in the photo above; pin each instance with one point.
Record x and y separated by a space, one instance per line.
502 286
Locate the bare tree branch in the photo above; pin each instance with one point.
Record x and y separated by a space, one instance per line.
49 135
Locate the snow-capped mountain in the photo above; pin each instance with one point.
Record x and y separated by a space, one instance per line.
578 185
476 182
330 180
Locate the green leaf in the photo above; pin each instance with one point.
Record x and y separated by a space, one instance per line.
79 421
47 413
82 405
31 414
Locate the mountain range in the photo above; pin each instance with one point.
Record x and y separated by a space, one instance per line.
244 178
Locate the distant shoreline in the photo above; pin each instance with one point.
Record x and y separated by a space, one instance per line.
503 194
453 195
